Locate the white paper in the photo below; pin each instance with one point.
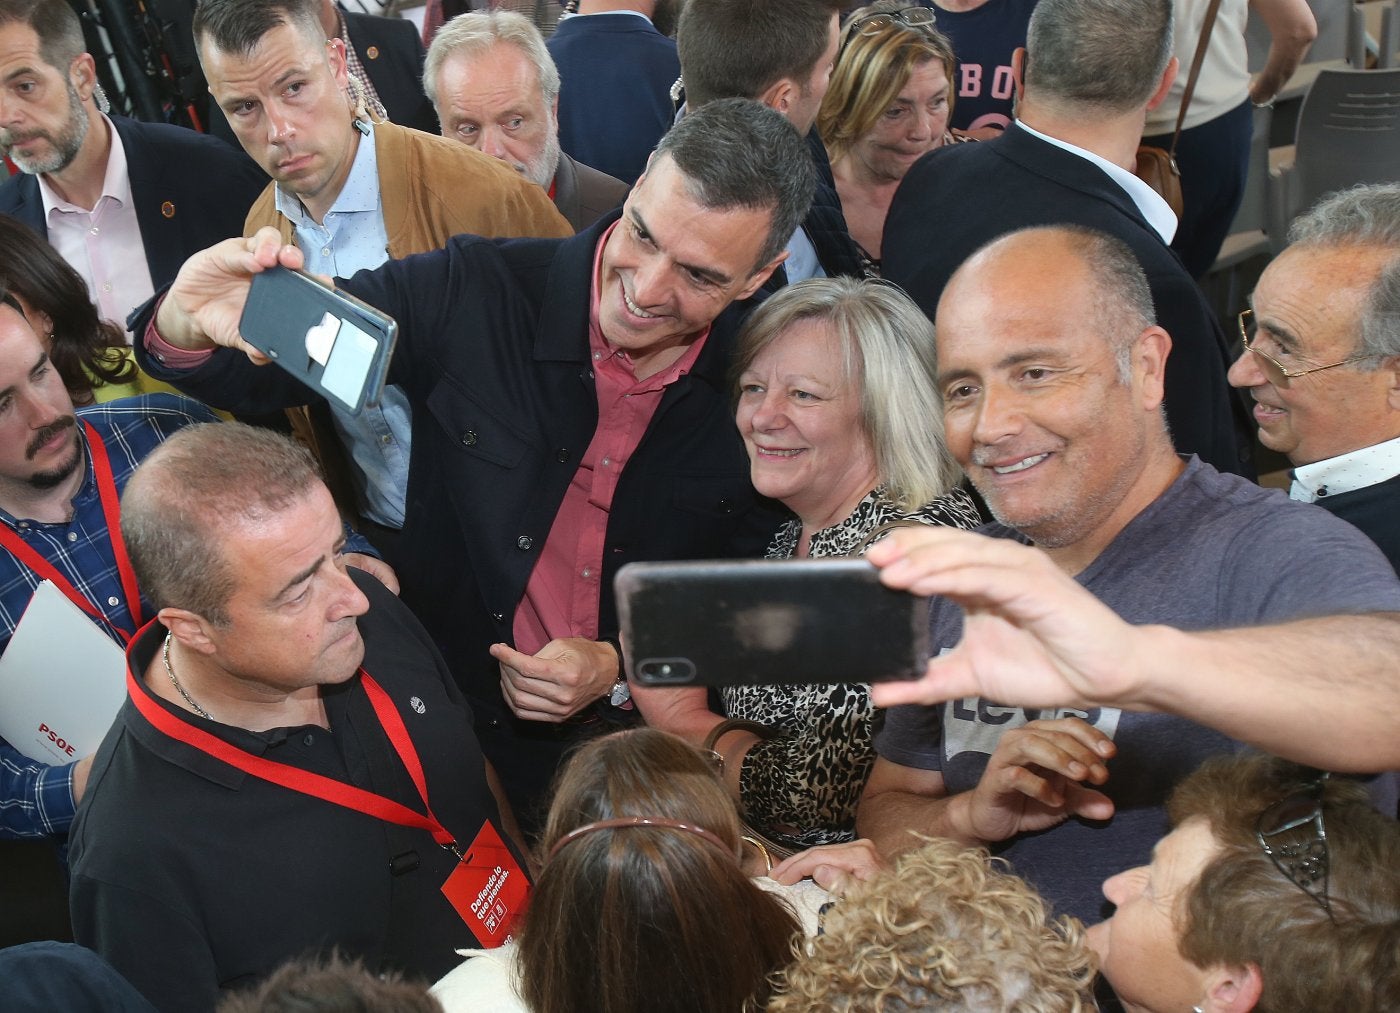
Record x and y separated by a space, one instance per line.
62 681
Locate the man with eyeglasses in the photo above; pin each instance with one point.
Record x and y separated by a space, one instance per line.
1051 378
1321 359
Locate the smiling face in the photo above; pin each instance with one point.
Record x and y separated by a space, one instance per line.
286 102
1034 407
1137 947
39 444
1307 308
43 121
291 617
800 416
491 100
912 126
671 265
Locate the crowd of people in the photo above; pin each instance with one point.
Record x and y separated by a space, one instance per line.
803 282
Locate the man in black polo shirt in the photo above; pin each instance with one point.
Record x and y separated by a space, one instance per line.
294 768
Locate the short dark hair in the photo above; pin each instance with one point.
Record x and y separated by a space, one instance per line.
1243 910
237 26
184 494
331 984
738 153
1108 54
737 48
54 21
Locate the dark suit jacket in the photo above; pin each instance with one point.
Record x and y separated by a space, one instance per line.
190 191
393 55
1374 509
493 354
960 197
615 73
584 195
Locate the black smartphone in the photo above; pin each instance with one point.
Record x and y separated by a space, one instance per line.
766 622
330 341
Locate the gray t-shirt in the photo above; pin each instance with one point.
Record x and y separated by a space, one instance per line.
1213 551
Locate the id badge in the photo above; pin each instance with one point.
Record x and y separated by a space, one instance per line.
487 888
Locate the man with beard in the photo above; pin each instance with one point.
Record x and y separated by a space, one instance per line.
124 202
496 88
60 474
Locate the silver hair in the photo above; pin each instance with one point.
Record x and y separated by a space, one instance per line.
475 32
889 357
1366 215
1108 54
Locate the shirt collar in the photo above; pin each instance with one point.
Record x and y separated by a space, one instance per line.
1346 472
636 13
116 184
1149 202
360 192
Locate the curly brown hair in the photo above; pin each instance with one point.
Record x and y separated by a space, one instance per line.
945 929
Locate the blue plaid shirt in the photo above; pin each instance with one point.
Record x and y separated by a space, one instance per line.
36 799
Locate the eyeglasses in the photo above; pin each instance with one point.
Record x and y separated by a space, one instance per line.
918 18
1293 835
1273 369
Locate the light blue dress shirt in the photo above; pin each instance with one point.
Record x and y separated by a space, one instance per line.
353 238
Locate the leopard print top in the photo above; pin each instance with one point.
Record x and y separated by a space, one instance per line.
802 786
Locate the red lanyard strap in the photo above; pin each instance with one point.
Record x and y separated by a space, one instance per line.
111 516
316 785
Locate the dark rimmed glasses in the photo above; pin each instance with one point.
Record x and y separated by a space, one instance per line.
1294 836
918 18
1274 371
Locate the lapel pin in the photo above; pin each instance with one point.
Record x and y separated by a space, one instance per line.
168 209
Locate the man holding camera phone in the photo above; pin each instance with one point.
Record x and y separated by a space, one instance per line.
572 416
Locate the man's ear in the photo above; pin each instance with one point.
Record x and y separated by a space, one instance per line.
335 57
1165 85
1233 989
191 629
781 95
760 276
1149 358
1391 367
82 75
1018 70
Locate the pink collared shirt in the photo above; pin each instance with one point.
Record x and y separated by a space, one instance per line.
103 243
561 598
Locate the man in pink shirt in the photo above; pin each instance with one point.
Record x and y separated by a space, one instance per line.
572 413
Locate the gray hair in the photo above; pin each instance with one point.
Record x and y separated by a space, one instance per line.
1108 54
736 153
55 23
182 497
475 32
889 357
238 26
1365 215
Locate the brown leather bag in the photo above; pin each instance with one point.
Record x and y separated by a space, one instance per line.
1157 166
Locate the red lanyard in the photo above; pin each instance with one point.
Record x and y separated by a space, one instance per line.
111 516
303 781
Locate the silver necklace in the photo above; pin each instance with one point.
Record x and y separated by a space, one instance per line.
165 657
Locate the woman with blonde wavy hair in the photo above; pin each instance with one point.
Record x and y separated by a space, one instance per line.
946 929
887 106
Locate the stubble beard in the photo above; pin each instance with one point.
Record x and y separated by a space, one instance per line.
65 146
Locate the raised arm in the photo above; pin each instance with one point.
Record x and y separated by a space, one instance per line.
1035 638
